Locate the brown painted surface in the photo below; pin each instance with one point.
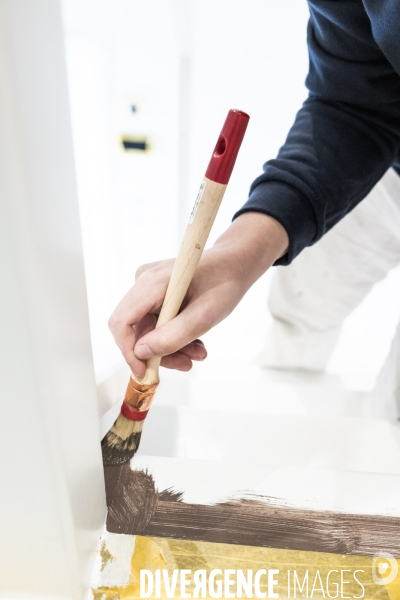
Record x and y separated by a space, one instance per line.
136 507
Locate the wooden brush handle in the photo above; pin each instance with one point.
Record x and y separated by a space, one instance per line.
186 262
201 220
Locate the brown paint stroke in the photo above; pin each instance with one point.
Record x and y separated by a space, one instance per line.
135 506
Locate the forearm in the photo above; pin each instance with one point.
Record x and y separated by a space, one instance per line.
252 243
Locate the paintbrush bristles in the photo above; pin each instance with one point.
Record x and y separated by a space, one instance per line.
123 428
122 441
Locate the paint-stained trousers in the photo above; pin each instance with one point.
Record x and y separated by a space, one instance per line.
310 299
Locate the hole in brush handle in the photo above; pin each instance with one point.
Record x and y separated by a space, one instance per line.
220 147
226 150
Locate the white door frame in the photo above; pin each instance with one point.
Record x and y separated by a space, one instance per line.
52 504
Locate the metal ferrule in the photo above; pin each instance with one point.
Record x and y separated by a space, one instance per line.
139 396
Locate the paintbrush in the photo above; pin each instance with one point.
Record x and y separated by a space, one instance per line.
122 441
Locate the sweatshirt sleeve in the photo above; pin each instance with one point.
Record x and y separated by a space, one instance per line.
344 138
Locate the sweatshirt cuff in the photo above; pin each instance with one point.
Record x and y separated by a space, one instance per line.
288 206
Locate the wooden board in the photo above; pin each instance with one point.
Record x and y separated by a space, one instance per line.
298 509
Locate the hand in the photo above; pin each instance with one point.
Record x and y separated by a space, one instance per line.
225 272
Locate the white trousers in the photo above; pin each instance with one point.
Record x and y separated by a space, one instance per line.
310 299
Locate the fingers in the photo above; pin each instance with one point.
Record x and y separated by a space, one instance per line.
134 316
141 299
131 319
148 323
126 341
193 321
146 267
182 360
177 361
195 350
127 333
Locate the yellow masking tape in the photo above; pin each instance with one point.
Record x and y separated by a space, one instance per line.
162 553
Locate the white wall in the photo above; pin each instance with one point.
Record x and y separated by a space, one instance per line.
52 491
122 52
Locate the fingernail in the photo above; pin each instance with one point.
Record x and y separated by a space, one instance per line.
142 351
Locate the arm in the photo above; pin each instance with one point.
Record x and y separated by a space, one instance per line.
344 138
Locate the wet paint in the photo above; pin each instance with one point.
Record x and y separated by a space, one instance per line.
135 506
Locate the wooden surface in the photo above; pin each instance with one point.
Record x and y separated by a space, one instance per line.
254 505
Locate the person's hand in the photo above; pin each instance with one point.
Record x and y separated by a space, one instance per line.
212 294
225 272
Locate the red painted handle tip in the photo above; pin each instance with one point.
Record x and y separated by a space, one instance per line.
226 150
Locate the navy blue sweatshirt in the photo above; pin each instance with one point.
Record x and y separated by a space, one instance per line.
347 134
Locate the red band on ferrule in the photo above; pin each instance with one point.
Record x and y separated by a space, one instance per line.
133 415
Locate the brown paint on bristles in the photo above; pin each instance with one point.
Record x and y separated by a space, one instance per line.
121 442
135 506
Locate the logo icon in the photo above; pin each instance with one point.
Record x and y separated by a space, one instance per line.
384 568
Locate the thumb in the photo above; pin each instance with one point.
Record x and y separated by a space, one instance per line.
172 336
